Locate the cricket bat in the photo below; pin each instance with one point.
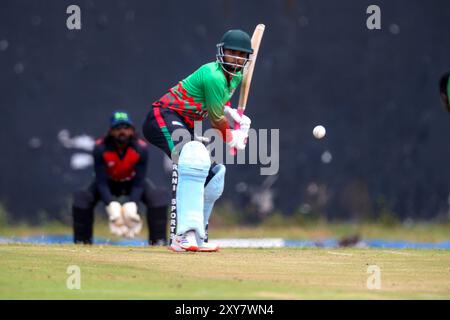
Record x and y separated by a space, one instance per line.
248 74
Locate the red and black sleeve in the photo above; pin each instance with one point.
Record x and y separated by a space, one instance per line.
101 176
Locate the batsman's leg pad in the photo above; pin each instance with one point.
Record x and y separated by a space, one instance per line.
213 190
193 167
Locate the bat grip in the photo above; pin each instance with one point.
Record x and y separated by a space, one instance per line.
237 126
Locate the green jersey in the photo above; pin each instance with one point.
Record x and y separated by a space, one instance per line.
202 94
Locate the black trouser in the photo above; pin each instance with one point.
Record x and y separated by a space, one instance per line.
161 123
155 199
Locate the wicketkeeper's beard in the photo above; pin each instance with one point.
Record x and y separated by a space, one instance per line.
122 139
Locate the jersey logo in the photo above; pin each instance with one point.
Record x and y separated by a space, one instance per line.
177 123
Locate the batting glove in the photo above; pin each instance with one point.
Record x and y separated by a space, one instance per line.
239 139
245 124
233 116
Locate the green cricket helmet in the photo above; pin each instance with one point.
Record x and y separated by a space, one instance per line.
234 40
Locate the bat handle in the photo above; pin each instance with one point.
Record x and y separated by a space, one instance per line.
237 126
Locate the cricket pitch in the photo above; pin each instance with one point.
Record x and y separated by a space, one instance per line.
109 272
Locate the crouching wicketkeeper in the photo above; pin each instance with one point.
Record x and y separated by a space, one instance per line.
120 170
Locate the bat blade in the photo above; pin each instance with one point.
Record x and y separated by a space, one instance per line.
248 72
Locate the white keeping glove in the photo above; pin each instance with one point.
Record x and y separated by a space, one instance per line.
116 222
132 219
239 140
234 116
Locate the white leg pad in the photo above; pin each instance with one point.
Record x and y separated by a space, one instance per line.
193 166
213 190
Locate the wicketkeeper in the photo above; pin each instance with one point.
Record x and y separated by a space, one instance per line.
204 94
120 162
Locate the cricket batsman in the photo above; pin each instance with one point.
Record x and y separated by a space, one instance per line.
120 164
203 94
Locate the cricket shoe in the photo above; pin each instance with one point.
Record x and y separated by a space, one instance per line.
175 247
208 247
185 242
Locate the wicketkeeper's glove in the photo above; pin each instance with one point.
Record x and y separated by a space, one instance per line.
132 219
116 222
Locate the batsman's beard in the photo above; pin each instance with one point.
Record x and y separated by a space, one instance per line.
232 69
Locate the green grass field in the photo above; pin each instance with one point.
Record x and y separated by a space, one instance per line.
415 232
107 272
